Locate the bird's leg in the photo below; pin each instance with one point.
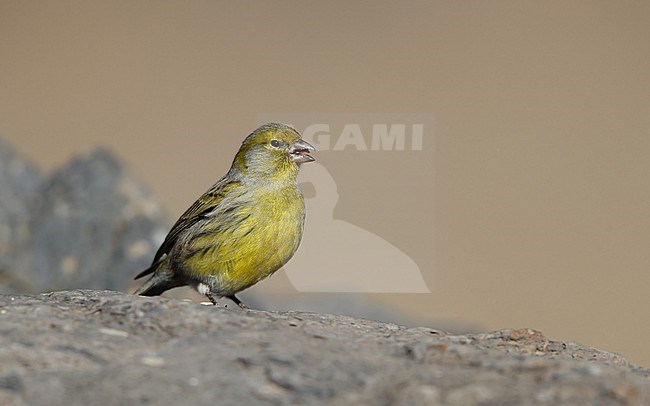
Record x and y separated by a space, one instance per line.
208 294
204 290
237 301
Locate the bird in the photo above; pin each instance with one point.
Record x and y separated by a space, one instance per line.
243 228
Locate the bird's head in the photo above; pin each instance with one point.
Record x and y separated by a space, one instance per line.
272 151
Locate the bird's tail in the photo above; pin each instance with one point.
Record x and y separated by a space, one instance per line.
161 280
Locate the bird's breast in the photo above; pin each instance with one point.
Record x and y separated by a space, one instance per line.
265 236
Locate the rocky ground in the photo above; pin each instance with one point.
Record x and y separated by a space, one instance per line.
101 347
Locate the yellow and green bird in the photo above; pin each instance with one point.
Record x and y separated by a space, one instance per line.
244 228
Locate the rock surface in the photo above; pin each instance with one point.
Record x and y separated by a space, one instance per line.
109 348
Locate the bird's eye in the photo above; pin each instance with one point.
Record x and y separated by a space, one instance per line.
275 143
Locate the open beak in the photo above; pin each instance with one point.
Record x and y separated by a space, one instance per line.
299 152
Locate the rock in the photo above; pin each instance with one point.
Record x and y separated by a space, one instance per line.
90 225
101 347
93 227
19 184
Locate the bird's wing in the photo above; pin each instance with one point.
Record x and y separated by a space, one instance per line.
211 201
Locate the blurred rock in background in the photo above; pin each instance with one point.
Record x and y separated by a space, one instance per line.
19 183
89 225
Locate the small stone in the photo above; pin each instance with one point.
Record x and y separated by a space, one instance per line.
152 361
113 332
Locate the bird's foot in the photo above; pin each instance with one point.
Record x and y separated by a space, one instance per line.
238 302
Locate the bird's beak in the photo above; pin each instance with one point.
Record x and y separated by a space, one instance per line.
299 152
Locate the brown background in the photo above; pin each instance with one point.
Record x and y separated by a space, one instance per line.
528 205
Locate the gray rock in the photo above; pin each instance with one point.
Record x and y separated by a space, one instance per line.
109 348
91 225
92 228
20 182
